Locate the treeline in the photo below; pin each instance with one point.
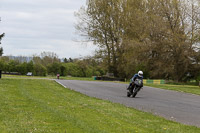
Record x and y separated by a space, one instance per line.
159 37
1 36
48 63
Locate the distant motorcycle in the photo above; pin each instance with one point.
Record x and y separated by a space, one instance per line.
138 84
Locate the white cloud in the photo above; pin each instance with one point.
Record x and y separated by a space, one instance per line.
62 48
41 25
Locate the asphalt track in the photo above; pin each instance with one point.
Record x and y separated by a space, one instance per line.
172 105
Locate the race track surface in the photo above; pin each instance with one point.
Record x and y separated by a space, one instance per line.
172 105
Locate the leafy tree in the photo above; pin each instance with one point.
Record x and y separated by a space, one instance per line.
22 68
2 65
161 36
1 49
71 60
100 23
37 60
73 69
54 68
12 66
170 43
65 60
30 66
46 58
62 70
49 58
39 70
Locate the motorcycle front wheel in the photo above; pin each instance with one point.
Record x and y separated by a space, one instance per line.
134 94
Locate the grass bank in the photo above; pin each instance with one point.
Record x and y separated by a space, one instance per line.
180 88
31 105
78 78
48 77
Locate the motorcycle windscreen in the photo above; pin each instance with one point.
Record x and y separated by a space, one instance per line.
138 82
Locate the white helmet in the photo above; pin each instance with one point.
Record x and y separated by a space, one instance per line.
140 73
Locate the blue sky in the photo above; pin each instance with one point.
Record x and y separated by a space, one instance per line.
34 26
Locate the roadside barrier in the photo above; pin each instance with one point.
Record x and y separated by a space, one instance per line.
145 81
149 81
104 78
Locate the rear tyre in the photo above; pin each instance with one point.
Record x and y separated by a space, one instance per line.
128 94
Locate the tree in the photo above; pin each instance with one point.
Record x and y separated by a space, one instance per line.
54 68
102 23
71 60
40 70
62 70
73 69
22 68
65 60
1 36
49 58
30 66
171 40
2 65
12 66
158 36
1 49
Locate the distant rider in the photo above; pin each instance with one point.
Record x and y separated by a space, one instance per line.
138 75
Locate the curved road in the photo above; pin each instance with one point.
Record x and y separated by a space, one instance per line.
172 105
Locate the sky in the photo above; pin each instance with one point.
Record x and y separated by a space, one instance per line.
34 26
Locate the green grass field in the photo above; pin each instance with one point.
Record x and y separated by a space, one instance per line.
78 78
36 105
180 88
48 77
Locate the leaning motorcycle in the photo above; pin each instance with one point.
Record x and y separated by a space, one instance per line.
138 84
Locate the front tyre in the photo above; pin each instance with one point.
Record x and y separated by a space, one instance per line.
134 94
135 91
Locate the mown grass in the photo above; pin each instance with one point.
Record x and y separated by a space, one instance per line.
78 78
180 88
30 105
48 77
28 77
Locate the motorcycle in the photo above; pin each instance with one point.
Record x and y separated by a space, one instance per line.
138 84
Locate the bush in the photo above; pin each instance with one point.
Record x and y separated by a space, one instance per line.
73 69
39 70
54 68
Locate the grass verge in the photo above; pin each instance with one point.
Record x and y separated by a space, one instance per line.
31 105
180 88
48 77
78 78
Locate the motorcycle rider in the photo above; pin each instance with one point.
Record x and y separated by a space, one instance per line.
138 75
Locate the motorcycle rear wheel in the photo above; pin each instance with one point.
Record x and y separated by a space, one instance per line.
128 94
